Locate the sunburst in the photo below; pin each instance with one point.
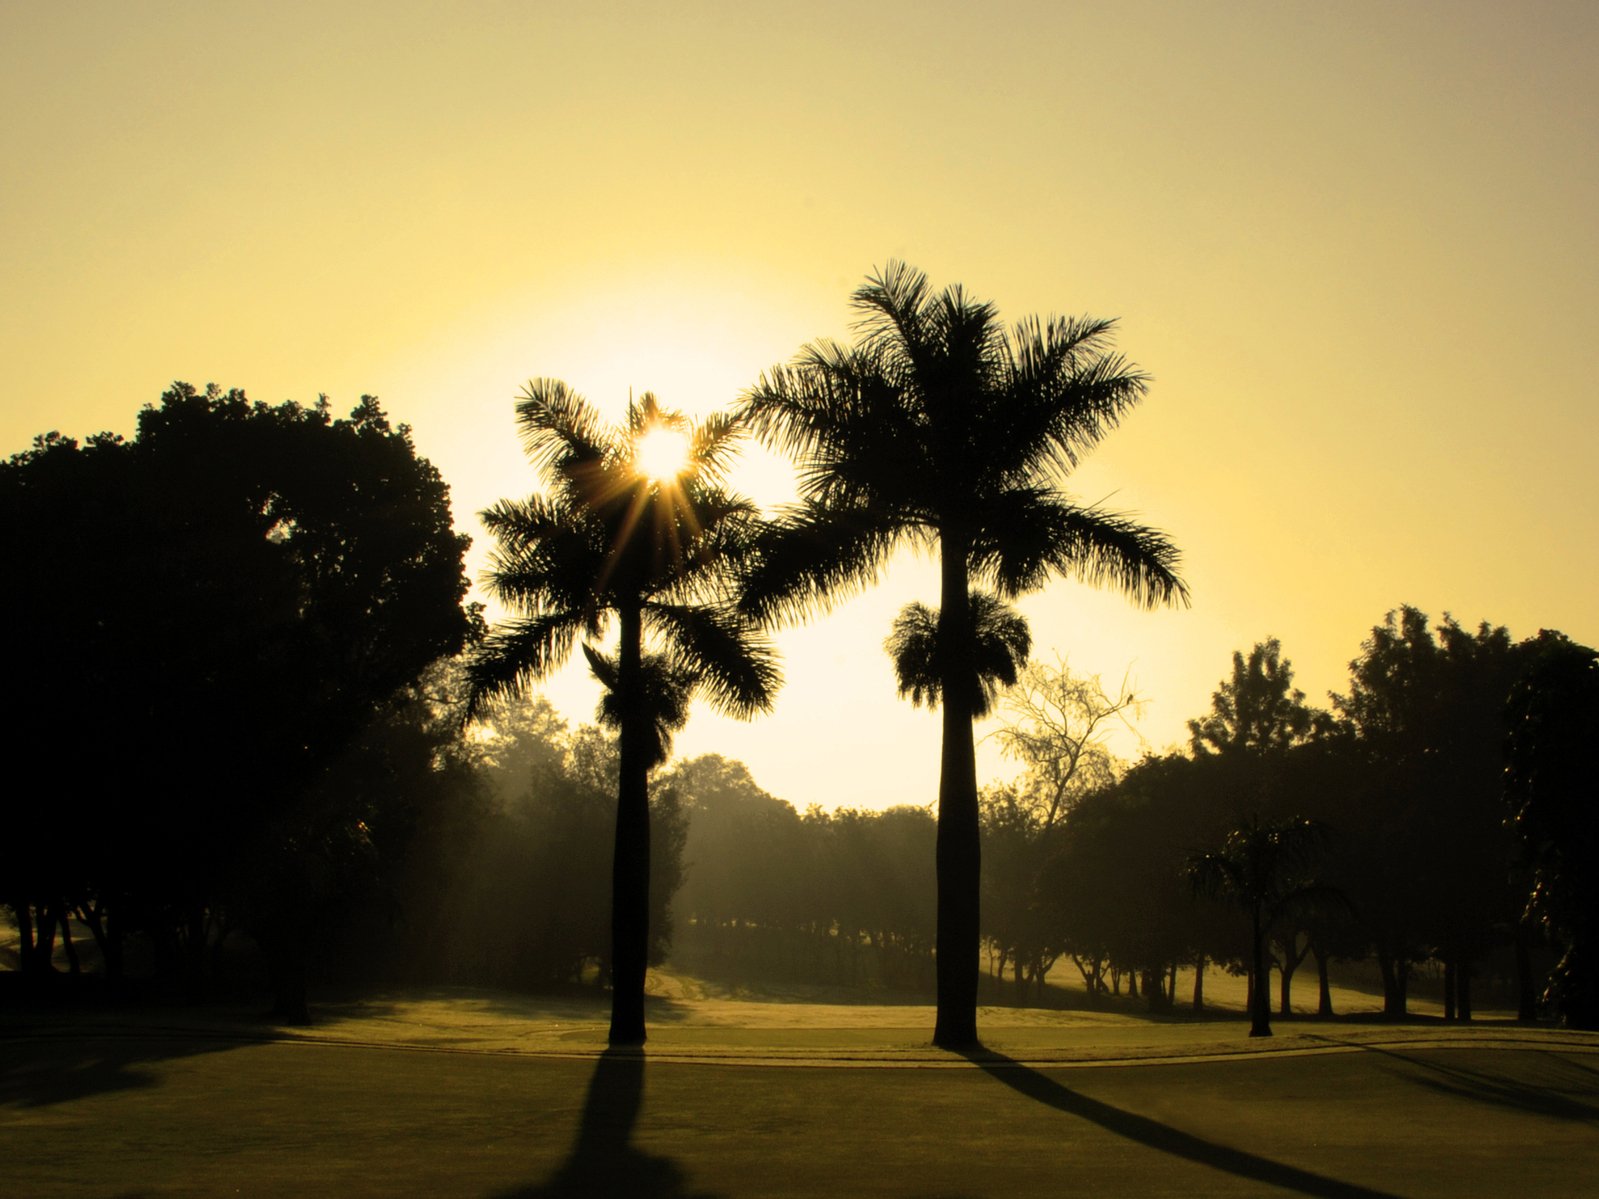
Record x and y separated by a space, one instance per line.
661 453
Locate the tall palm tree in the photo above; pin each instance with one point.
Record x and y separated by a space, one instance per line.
1001 643
940 427
617 534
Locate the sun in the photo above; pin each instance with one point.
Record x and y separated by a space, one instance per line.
661 453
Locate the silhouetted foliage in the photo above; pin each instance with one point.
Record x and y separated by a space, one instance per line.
1258 709
1429 869
216 611
1115 881
941 427
517 888
1554 722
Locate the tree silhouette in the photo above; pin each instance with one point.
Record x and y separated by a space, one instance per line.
218 611
1258 709
940 427
657 554
1261 867
1053 722
1427 708
1554 719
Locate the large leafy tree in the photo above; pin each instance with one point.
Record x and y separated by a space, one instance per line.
940 427
620 536
216 611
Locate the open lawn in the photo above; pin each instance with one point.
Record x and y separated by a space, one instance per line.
484 1094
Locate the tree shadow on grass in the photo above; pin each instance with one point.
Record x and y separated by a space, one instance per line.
1163 1137
603 1161
43 1070
1547 1094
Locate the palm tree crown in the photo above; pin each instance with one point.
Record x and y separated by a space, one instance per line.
656 548
942 428
940 425
606 539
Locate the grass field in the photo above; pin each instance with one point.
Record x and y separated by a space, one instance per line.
483 1094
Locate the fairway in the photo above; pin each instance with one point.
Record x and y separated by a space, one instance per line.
486 1095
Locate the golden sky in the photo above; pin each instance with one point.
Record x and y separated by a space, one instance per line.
1355 245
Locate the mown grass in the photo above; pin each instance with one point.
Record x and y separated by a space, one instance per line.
464 1093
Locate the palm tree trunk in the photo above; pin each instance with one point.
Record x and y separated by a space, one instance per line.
630 865
1260 984
958 853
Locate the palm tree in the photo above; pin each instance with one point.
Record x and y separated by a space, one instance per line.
1260 867
941 428
1001 643
617 535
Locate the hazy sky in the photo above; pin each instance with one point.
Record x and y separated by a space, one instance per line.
1355 244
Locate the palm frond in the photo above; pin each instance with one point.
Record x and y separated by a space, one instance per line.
1063 391
912 645
559 429
857 434
517 653
890 306
535 518
714 444
545 558
813 555
723 652
796 409
1029 533
701 536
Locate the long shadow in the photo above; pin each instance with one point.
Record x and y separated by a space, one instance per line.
1163 1137
1499 1089
603 1161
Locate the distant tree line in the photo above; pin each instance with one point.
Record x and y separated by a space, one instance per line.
1416 785
1393 829
842 898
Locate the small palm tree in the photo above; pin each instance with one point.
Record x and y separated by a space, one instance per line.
1002 639
1262 868
668 690
941 428
623 532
